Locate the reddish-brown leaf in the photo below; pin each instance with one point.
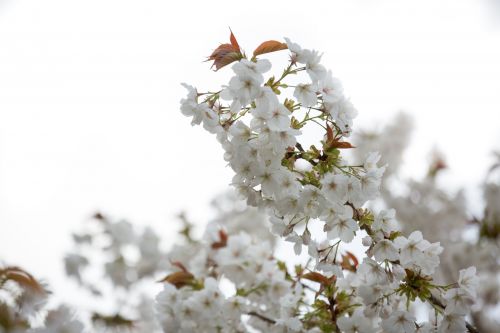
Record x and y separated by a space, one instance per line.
269 46
225 54
179 265
222 242
233 40
349 261
353 258
332 142
22 278
178 279
329 133
342 145
316 277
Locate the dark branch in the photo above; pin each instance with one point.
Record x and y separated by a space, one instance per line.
435 301
261 317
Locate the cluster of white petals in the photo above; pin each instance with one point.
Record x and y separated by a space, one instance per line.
368 259
443 216
407 276
235 282
300 188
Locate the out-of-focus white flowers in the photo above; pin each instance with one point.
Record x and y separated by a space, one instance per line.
61 320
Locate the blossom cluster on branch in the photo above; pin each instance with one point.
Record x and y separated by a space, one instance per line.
425 205
258 122
284 135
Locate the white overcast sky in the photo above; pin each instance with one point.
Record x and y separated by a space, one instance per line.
89 94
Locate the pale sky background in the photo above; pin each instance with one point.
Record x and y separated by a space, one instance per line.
90 90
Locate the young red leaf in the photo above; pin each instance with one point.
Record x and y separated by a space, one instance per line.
317 277
178 279
341 145
335 142
329 134
180 265
349 261
226 53
269 46
22 278
233 40
222 242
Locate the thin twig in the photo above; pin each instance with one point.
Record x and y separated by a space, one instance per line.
262 317
435 301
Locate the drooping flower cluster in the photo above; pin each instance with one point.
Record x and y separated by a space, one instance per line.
194 298
258 123
424 205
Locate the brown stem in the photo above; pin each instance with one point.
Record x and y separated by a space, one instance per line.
331 307
471 328
262 317
301 149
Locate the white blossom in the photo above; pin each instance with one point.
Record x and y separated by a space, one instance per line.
306 94
399 322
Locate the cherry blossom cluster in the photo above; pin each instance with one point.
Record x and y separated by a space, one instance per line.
232 283
264 152
259 122
299 190
262 295
423 204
